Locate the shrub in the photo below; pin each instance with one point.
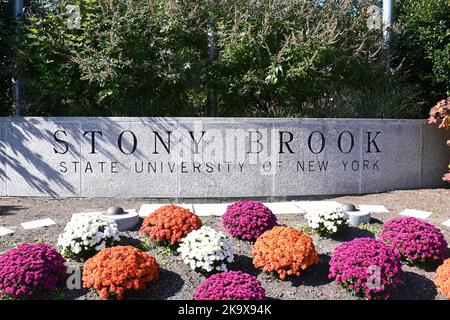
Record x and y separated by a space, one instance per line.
276 58
284 250
86 234
442 279
248 219
327 222
115 270
128 58
422 45
207 250
417 240
31 268
279 57
366 267
232 285
170 223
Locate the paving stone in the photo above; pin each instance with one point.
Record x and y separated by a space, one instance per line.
374 208
446 223
415 213
284 208
210 209
4 231
308 206
35 224
148 208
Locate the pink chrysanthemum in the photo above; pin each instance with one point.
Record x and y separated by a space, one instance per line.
248 219
232 285
31 268
417 240
366 267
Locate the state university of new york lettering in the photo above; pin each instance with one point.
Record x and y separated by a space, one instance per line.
165 151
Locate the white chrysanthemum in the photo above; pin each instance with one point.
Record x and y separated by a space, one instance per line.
206 249
326 222
87 232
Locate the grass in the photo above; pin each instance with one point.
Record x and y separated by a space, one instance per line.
374 228
307 229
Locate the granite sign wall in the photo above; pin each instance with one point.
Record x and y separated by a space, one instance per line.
217 157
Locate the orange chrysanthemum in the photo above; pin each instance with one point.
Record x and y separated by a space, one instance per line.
170 223
442 279
118 269
284 250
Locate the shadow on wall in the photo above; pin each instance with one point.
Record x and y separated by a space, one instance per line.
20 154
34 160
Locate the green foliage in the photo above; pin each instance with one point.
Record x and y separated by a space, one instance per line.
423 45
308 230
277 58
145 246
136 58
283 58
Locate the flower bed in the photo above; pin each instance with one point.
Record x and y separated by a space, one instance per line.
442 279
327 222
284 250
367 268
169 224
233 285
115 270
417 240
31 268
248 219
86 234
206 250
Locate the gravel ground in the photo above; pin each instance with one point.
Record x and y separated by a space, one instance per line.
177 281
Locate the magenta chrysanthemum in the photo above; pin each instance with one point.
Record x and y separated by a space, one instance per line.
417 240
232 285
248 219
366 267
31 268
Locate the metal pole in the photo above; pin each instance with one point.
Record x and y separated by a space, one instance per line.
212 53
387 27
16 83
